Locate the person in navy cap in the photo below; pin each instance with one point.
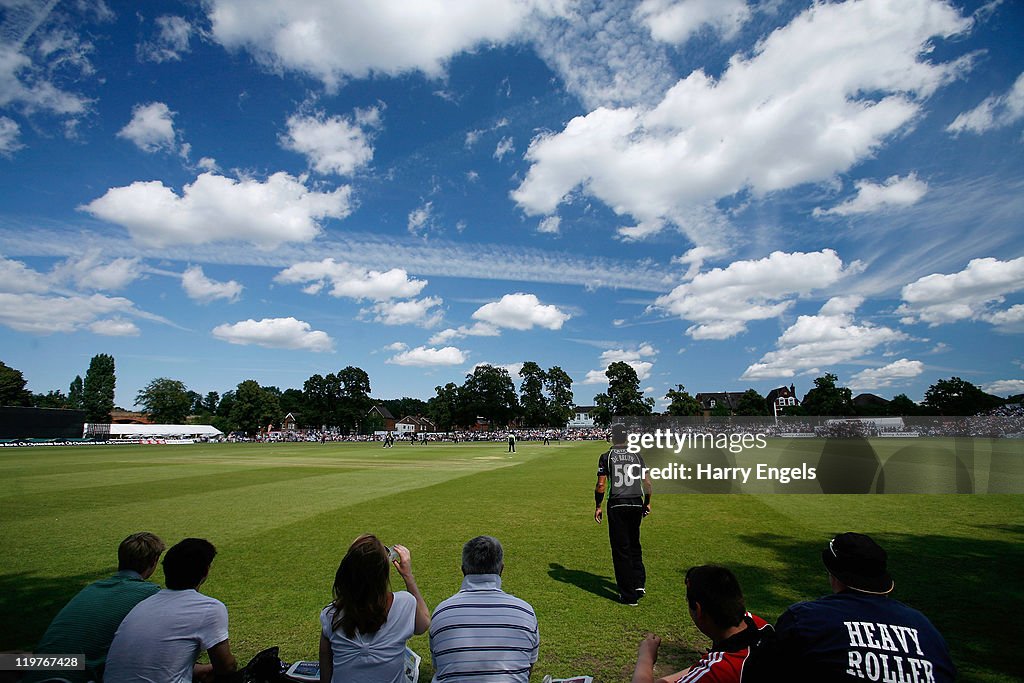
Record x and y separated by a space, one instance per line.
858 633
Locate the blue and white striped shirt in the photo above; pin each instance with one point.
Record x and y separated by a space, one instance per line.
483 634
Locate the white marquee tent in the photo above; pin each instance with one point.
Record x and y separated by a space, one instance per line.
137 431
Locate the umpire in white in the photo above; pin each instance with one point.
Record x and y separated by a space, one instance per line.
629 501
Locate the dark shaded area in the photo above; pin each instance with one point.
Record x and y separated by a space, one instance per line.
601 586
40 423
962 585
29 603
849 466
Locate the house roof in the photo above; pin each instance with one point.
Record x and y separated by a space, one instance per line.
382 411
728 398
869 400
789 391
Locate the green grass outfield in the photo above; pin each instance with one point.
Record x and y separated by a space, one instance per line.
283 515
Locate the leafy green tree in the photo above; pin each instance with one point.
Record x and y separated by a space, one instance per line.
166 401
98 389
227 402
559 394
828 399
253 407
51 399
488 392
752 403
955 396
902 406
75 392
532 401
400 407
12 387
321 399
623 396
721 409
354 397
443 408
210 403
681 403
293 401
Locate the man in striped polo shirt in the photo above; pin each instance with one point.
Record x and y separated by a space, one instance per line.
87 623
482 633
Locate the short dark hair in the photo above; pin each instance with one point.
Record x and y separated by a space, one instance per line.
618 433
482 555
187 563
718 591
139 552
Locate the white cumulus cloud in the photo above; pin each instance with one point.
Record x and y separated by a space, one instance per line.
894 193
424 356
1004 387
521 312
887 375
39 314
275 333
115 327
200 288
334 144
813 99
18 278
335 41
829 338
967 295
412 312
151 128
350 281
997 111
675 21
635 358
90 271
216 208
720 302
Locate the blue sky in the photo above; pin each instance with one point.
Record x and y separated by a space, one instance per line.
724 194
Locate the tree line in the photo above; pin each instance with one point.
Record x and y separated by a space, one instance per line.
488 396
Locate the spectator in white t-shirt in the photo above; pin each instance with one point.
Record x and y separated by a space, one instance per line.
364 631
161 638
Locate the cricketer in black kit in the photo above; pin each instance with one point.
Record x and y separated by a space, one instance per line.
629 501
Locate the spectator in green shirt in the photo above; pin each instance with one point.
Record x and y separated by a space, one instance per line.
87 623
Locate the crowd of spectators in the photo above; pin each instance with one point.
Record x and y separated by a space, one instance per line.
132 631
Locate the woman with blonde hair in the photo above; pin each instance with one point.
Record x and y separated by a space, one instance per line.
364 630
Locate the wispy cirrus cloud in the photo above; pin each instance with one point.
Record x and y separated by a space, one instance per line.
369 252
